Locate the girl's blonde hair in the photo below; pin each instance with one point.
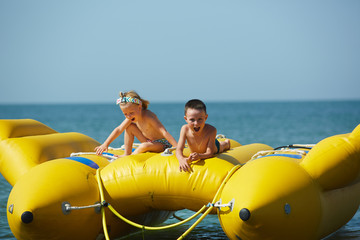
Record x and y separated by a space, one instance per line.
132 94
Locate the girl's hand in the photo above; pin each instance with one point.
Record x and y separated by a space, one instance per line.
184 165
100 149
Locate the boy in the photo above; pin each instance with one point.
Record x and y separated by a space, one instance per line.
199 135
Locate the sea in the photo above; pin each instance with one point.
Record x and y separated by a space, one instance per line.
272 123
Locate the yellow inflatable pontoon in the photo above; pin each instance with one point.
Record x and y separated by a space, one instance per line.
62 190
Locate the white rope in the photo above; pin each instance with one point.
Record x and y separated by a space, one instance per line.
120 148
123 146
166 152
269 152
304 145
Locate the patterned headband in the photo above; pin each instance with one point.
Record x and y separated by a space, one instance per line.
128 99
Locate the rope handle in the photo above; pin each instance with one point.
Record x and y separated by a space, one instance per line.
232 171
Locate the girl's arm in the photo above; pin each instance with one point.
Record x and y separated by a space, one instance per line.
113 135
169 137
183 162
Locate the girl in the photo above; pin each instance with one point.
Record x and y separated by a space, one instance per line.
140 123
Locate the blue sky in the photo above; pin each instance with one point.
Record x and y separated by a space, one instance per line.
170 51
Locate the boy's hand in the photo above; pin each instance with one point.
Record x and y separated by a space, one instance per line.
184 165
194 156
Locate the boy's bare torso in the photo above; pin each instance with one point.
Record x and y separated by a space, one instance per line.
199 142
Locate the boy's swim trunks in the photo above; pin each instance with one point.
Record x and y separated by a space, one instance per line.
217 144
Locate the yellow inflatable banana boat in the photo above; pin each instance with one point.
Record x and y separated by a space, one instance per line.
289 193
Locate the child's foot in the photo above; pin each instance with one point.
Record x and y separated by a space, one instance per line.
224 145
227 144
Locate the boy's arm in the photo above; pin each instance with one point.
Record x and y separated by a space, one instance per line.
183 162
113 135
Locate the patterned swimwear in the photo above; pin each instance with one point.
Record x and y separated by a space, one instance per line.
164 142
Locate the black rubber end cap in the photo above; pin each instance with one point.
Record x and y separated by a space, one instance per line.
244 214
27 217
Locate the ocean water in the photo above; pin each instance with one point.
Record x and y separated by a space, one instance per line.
272 123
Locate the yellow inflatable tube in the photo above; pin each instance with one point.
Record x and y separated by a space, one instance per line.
156 182
46 199
287 197
291 193
26 143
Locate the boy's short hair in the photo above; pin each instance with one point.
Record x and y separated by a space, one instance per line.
195 104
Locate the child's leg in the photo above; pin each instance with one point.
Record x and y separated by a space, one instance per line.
145 146
224 145
128 142
131 132
149 147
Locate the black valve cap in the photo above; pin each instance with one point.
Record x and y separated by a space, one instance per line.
244 214
27 217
